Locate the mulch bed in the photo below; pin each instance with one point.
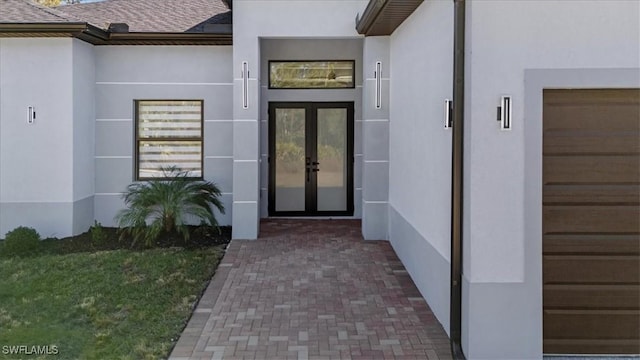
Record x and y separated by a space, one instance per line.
109 239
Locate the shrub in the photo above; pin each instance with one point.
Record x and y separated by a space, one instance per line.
21 241
98 235
155 207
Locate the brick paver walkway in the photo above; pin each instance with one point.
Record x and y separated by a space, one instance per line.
312 289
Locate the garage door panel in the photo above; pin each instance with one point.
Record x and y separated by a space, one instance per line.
591 244
593 269
602 143
612 97
591 169
591 346
591 194
593 324
572 296
592 117
591 219
592 110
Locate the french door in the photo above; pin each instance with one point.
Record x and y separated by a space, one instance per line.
310 158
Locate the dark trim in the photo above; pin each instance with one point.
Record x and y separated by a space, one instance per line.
80 30
370 15
311 150
70 27
383 17
139 38
457 176
137 140
96 36
353 74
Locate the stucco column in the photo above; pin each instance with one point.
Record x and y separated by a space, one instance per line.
375 142
246 139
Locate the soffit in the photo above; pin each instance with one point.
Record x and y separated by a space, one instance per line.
382 17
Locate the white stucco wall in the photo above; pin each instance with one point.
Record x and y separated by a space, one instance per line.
83 67
421 74
36 182
420 150
295 18
502 290
128 73
36 158
252 20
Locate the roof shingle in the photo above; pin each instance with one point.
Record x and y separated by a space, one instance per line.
21 11
167 16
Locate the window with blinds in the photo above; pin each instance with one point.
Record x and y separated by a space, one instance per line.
168 134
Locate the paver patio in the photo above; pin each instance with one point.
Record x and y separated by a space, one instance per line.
312 289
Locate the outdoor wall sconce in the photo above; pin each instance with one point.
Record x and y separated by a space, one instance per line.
505 112
378 76
31 115
245 85
448 113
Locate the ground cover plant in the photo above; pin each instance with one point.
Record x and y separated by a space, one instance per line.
94 296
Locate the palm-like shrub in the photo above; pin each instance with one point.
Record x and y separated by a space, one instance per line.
159 206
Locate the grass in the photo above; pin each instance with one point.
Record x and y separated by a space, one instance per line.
115 304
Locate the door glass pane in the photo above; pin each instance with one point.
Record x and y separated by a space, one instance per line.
290 159
332 159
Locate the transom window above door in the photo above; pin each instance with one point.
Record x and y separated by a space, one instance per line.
168 135
329 74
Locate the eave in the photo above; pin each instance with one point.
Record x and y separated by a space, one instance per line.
382 17
97 36
83 31
169 39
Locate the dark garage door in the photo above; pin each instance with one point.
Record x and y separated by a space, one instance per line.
591 221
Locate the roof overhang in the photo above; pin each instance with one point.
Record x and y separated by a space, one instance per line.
82 31
169 39
97 36
382 17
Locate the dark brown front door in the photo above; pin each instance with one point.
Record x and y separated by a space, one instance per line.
591 221
310 159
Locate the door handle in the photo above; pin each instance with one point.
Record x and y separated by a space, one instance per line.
311 166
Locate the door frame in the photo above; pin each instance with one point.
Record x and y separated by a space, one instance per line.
311 108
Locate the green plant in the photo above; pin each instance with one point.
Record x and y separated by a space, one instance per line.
98 234
21 241
155 207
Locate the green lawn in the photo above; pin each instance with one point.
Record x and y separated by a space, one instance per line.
118 304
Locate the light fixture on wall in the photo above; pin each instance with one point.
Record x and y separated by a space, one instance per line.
505 111
31 115
378 76
448 113
245 85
